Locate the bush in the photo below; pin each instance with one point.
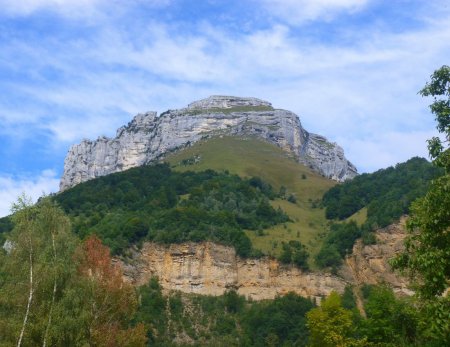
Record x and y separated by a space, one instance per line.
294 253
328 256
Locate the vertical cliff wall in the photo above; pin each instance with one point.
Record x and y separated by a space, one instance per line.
210 269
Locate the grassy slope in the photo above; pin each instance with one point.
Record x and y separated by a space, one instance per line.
359 217
253 157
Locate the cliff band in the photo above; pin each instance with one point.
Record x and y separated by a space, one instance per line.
148 137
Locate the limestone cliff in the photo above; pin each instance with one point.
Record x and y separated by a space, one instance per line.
148 137
210 269
369 264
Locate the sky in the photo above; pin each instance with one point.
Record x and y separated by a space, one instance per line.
351 70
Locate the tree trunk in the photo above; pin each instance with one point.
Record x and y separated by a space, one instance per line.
30 297
44 344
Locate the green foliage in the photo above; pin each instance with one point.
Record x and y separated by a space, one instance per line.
348 299
338 243
427 247
228 319
282 318
6 225
144 204
293 252
439 89
427 251
389 320
386 193
331 325
247 157
34 273
328 256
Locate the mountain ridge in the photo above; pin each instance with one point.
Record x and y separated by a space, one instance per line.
148 137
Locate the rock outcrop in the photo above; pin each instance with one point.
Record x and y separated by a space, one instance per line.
148 137
369 264
210 269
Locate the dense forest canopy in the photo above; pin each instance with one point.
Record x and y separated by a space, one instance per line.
155 203
387 193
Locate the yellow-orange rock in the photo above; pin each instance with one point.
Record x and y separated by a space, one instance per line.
210 269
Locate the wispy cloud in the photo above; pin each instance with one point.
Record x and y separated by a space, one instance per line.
34 187
72 8
335 89
299 11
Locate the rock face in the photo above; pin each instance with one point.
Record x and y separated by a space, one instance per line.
370 263
148 137
209 269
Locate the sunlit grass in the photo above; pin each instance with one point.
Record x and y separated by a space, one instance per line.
253 157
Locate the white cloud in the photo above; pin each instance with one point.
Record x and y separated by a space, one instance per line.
27 7
299 11
71 8
349 93
387 149
34 187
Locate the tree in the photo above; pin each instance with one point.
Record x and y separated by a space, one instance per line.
427 248
439 89
106 305
389 319
34 272
331 325
48 297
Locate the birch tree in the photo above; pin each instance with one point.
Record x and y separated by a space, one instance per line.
34 272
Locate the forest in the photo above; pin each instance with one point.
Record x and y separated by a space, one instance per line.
387 194
58 290
157 204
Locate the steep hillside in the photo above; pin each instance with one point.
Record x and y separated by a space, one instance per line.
369 202
386 193
155 203
249 156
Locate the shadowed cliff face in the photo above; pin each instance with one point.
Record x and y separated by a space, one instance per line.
148 137
210 269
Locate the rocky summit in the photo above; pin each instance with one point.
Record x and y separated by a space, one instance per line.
149 137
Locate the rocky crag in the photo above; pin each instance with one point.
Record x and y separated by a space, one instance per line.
369 264
210 269
148 137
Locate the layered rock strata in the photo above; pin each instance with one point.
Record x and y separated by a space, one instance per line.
210 269
148 137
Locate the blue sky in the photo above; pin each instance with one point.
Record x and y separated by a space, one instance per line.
351 69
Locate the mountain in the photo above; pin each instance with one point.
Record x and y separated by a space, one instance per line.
148 137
